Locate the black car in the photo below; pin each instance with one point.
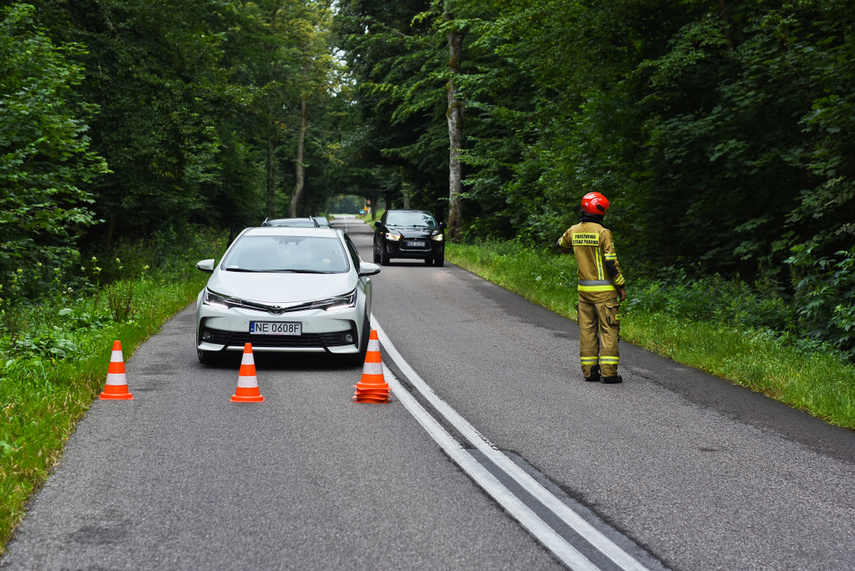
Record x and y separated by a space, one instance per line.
409 234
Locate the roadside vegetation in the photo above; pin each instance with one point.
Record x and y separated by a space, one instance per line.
54 354
724 327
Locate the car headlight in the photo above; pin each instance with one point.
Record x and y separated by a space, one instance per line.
338 302
212 298
437 237
219 300
393 236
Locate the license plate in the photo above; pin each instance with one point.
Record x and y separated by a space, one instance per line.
275 328
417 244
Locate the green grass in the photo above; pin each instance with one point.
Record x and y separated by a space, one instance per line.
54 363
820 383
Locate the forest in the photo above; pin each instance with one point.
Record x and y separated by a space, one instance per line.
720 130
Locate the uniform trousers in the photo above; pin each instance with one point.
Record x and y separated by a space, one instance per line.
599 334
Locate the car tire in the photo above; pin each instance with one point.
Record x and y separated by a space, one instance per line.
384 258
376 256
359 358
439 261
207 357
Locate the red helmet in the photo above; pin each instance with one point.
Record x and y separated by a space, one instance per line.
595 203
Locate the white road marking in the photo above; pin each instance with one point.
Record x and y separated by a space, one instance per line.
568 554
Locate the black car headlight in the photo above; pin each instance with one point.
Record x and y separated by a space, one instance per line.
393 236
437 237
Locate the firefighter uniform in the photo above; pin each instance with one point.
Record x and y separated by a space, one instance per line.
599 303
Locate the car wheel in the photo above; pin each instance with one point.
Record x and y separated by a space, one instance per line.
376 256
439 260
206 357
384 258
359 358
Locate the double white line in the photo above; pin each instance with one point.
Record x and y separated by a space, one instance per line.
553 541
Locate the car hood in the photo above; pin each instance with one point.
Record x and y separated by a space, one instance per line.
281 289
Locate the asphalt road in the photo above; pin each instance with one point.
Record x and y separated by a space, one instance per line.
695 473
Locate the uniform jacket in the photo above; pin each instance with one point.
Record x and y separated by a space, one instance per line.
599 272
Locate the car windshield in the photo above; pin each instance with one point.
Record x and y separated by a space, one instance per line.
411 219
298 254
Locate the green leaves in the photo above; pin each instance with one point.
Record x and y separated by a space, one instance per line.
44 153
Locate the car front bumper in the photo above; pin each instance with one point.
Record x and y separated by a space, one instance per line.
404 249
228 329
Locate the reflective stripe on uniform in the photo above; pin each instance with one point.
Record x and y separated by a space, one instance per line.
589 360
600 273
597 288
608 360
596 285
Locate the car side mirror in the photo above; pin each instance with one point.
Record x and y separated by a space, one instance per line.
206 266
442 225
378 225
368 269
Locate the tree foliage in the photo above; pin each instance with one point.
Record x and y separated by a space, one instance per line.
45 157
719 129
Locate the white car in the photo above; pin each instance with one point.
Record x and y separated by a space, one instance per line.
286 290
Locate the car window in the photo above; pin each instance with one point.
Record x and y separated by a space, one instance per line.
303 254
354 253
411 219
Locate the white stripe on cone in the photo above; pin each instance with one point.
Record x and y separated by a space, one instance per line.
247 381
372 368
117 378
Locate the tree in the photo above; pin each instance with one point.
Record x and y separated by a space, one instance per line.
399 64
312 80
45 156
456 34
153 70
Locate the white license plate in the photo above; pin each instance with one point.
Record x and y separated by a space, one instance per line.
275 328
417 244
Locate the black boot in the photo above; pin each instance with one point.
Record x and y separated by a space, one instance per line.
595 375
613 380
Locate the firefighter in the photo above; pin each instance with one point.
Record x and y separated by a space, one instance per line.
601 290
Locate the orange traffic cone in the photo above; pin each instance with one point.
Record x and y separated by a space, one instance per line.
372 387
247 387
116 387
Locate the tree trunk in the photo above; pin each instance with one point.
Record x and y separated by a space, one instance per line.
454 114
297 196
271 178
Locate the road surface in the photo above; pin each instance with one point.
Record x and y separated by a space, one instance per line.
492 454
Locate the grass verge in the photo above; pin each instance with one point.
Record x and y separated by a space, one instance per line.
818 382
